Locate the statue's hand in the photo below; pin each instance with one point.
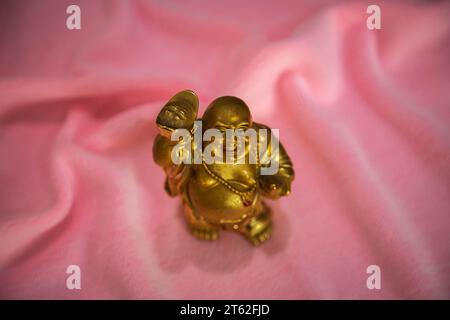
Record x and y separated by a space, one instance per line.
274 186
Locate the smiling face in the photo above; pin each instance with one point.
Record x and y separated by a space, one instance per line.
227 113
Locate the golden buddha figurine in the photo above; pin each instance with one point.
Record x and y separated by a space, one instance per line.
219 193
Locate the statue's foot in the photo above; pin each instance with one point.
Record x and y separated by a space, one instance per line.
198 227
259 228
204 232
261 237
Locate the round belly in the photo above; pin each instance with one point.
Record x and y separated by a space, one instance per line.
217 203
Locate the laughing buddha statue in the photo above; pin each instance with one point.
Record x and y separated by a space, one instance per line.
222 195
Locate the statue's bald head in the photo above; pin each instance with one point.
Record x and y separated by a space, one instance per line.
227 112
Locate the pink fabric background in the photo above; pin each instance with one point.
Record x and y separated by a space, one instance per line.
364 115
